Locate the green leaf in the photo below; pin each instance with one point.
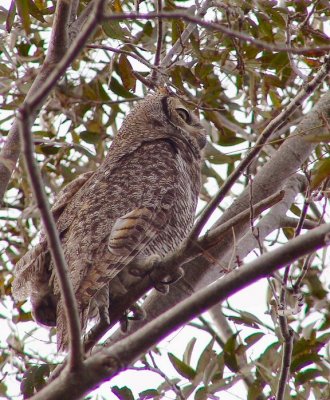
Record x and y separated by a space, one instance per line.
10 16
48 149
123 393
113 30
35 12
3 389
229 140
205 357
230 353
177 29
149 394
34 379
125 71
255 390
23 12
253 339
118 89
307 375
320 172
90 137
201 394
182 368
188 351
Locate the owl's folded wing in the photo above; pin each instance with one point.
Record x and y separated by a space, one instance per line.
32 269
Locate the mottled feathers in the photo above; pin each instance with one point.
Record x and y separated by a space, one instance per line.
140 202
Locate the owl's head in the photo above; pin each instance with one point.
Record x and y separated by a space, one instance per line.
163 115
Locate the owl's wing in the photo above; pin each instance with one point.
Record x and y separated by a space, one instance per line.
130 235
32 268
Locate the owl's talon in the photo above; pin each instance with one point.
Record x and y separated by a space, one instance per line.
123 322
163 286
138 313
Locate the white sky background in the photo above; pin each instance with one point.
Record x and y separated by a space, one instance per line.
252 299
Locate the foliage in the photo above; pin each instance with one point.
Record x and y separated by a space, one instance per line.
238 87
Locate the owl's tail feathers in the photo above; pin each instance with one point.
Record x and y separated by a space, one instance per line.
62 326
62 329
31 271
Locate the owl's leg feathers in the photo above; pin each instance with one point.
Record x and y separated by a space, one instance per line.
147 266
102 301
141 267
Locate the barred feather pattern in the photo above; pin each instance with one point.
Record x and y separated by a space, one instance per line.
140 202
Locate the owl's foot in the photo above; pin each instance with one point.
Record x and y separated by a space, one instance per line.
104 318
135 313
138 313
142 267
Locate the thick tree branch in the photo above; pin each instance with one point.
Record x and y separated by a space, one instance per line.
94 19
54 244
108 363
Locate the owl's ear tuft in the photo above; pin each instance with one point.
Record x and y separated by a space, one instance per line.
163 90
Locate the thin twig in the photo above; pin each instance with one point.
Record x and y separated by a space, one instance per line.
216 27
184 37
293 65
290 222
286 331
120 51
155 74
286 357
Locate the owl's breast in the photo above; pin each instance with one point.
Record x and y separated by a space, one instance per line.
182 214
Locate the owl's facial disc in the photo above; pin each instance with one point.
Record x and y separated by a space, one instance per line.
182 118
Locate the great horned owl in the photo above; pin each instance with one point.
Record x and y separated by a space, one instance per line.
141 201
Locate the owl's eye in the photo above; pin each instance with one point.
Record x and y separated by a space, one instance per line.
184 114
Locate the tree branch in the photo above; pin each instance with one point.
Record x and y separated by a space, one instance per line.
155 75
54 244
287 333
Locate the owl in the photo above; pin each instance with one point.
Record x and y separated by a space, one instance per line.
138 204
